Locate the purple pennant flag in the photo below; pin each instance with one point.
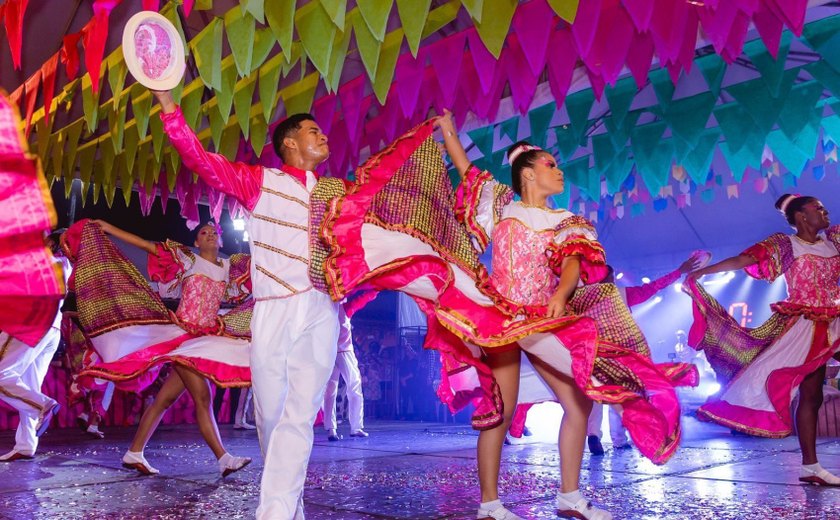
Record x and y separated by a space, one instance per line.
523 81
484 61
488 105
736 39
533 23
639 58
408 78
323 111
792 12
613 50
351 94
561 64
446 56
217 203
470 91
641 12
586 23
717 23
769 28
146 201
163 188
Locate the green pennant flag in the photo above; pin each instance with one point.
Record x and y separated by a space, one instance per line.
662 86
259 133
42 130
620 97
604 152
713 68
735 124
230 142
375 14
501 171
565 9
824 37
126 182
483 139
336 9
510 128
117 71
618 171
807 138
658 169
369 47
280 15
141 105
760 104
217 126
129 154
338 58
698 161
242 99
578 106
87 156
474 8
90 104
317 33
825 74
156 129
142 162
240 29
645 141
578 173
263 45
254 8
645 138
298 97
387 65
620 133
191 107
567 141
495 23
413 14
539 119
224 96
207 52
687 117
800 104
561 200
116 126
269 79
791 157
771 70
748 155
55 165
108 172
171 170
70 145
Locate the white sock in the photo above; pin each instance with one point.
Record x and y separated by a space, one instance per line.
224 459
491 506
813 467
573 497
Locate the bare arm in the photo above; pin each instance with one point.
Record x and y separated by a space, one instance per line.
733 263
452 143
167 103
125 236
569 278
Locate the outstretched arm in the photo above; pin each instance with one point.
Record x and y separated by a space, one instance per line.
733 263
125 236
452 143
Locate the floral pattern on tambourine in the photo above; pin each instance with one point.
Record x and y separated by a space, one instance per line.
153 48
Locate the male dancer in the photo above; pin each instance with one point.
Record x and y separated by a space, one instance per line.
22 372
294 326
346 366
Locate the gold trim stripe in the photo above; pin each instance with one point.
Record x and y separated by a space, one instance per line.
284 196
280 252
276 279
10 395
279 222
5 346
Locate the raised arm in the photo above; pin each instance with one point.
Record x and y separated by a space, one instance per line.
452 143
733 263
125 236
240 181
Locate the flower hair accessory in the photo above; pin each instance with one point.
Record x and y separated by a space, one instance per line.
519 150
785 203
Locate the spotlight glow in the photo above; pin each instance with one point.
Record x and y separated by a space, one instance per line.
619 276
239 224
657 300
245 236
645 279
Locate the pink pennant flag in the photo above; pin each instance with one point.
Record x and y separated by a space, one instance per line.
351 94
390 118
680 201
639 58
48 71
641 12
613 213
597 83
769 28
323 110
151 5
561 64
761 184
793 12
523 81
586 23
619 212
32 87
737 37
732 191
613 50
717 23
470 90
484 61
446 55
188 7
163 189
408 78
685 55
533 23
146 200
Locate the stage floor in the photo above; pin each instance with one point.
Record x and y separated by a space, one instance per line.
413 470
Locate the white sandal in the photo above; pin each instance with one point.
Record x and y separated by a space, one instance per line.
500 513
136 460
582 510
822 477
230 464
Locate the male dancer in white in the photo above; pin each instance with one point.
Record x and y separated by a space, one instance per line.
22 372
294 328
346 366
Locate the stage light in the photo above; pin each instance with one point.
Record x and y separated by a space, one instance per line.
239 224
657 300
245 236
619 276
709 389
677 287
645 279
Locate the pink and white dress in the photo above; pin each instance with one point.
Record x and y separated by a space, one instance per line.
763 367
132 331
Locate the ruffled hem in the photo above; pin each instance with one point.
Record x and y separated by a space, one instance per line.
593 264
806 311
773 256
467 199
164 265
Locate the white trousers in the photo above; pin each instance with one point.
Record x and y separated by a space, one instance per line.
293 347
22 372
618 433
346 366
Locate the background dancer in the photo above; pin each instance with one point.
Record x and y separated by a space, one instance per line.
192 343
346 366
763 367
295 325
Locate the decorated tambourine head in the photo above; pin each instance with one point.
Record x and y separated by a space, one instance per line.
702 258
153 51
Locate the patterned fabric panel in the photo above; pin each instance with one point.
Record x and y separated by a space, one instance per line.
603 303
325 191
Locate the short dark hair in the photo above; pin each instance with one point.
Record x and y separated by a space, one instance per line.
286 127
525 159
796 204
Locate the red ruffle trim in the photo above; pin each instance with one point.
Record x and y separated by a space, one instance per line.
806 311
593 265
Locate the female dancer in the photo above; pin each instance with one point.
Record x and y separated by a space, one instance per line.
763 367
134 343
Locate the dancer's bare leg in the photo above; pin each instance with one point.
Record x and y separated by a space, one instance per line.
505 367
171 390
576 408
199 389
